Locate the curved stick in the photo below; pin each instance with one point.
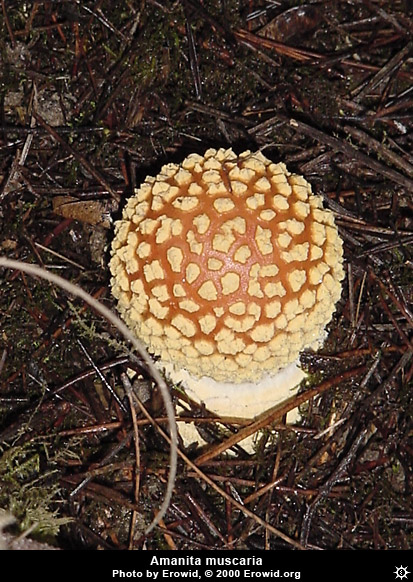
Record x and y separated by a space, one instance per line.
36 271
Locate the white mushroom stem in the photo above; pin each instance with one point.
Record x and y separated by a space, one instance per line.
244 400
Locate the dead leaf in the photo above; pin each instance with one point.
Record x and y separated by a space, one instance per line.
96 212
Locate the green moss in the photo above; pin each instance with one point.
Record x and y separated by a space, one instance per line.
29 493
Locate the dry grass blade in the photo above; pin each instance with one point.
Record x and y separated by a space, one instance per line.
346 148
220 491
331 481
274 414
81 159
297 54
77 291
381 150
394 63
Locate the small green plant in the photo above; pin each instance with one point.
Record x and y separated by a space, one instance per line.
30 495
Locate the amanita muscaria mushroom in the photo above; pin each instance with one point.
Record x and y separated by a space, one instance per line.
227 267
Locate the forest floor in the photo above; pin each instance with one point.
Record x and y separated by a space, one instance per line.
95 97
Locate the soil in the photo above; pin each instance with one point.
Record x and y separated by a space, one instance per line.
94 97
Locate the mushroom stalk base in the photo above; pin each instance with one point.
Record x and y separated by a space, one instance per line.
244 400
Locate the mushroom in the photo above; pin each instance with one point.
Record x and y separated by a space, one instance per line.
227 267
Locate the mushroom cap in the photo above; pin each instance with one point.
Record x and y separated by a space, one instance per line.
227 266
